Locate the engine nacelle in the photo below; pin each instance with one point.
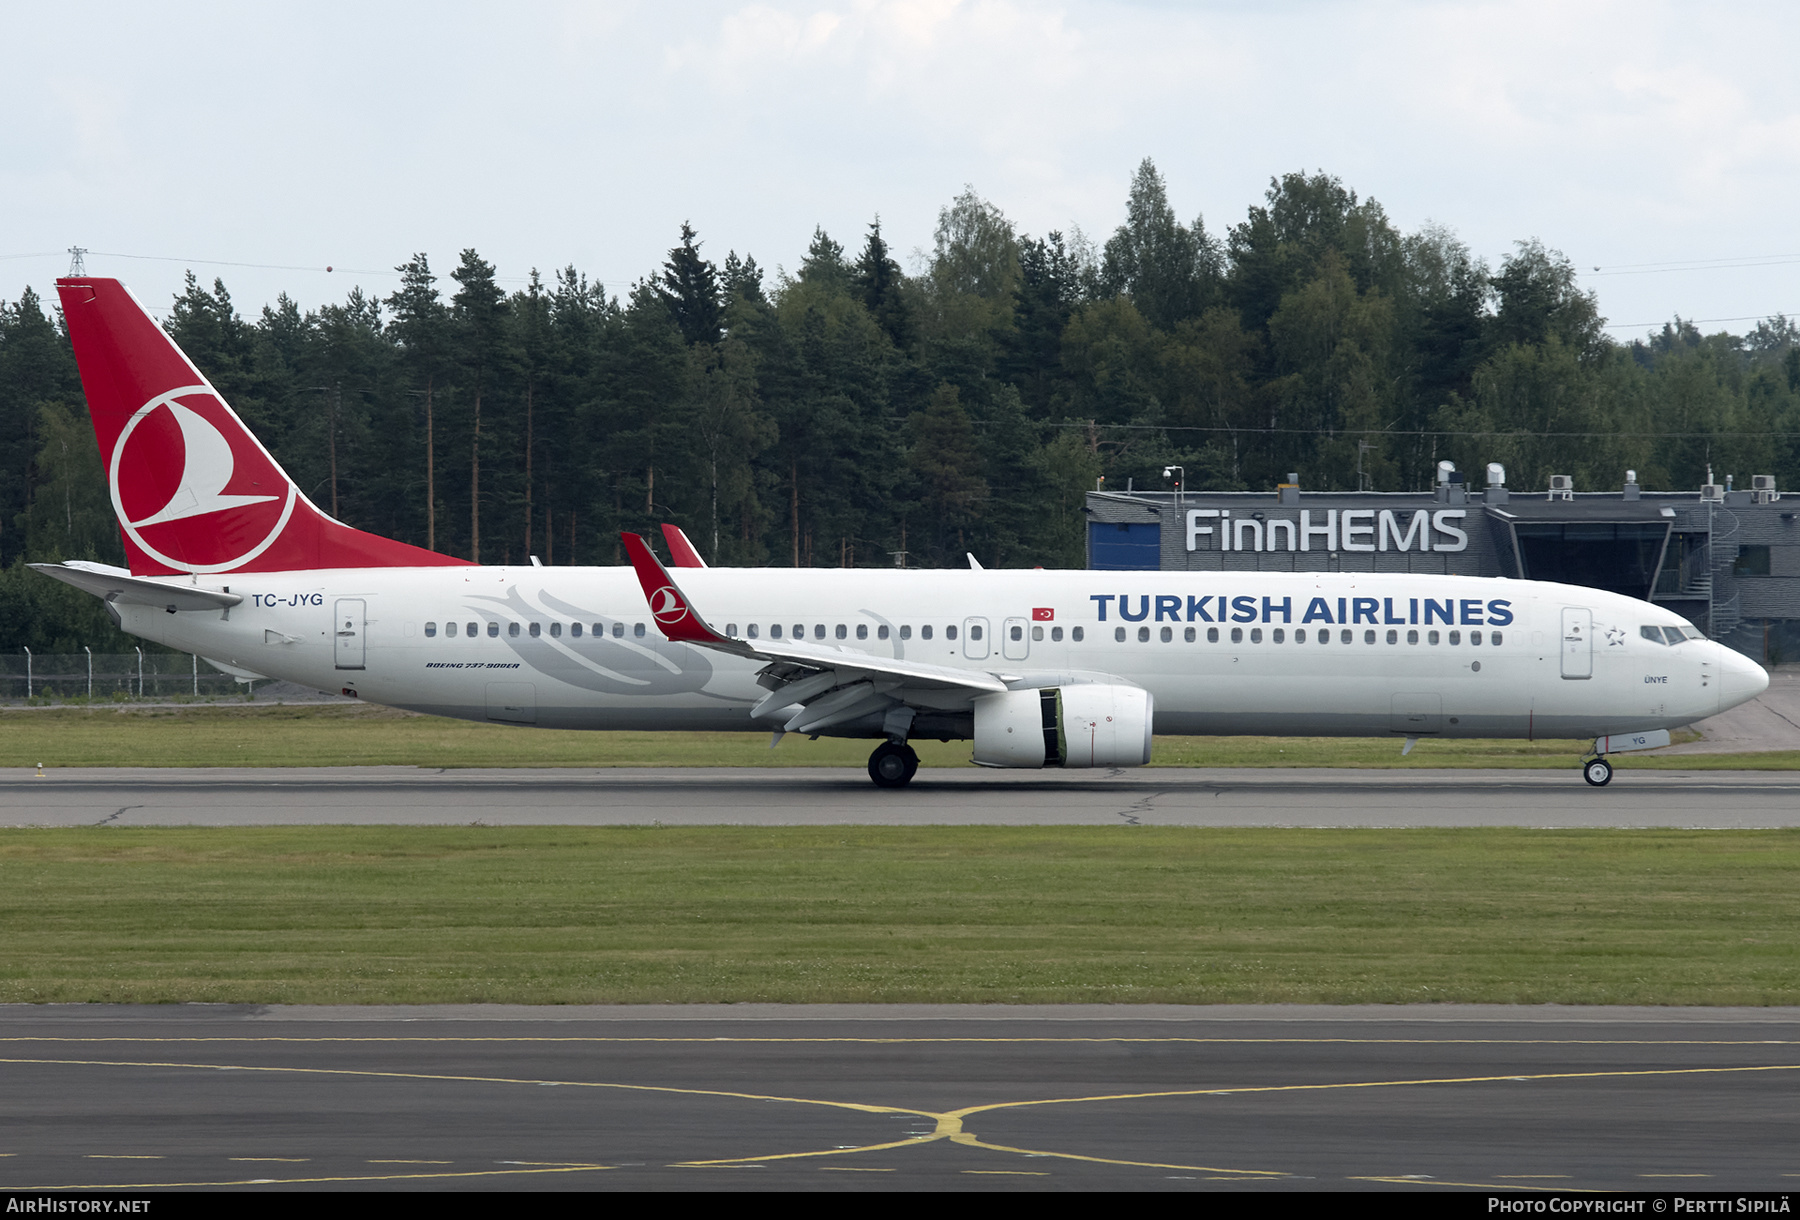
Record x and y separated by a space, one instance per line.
1090 725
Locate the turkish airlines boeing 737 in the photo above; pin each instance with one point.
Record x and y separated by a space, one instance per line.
229 560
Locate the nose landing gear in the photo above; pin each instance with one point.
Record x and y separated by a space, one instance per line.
1597 771
893 766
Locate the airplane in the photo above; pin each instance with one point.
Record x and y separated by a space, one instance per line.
229 559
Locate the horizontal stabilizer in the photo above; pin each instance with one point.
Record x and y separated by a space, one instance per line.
119 585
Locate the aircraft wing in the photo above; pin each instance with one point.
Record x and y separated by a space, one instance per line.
117 584
832 685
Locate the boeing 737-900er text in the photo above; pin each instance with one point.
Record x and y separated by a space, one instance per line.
230 560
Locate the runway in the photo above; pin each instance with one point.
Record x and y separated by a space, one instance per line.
821 796
912 1098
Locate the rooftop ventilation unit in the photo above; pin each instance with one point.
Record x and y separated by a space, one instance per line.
1562 487
1712 492
1762 489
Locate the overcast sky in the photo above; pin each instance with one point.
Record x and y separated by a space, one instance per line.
543 135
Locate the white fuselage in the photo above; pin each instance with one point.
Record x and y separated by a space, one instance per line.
1222 653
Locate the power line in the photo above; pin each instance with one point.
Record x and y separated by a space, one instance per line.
1748 317
1396 432
1699 264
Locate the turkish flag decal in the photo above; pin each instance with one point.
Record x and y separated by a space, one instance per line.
1042 614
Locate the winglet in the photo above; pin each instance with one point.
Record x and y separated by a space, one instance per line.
668 605
680 549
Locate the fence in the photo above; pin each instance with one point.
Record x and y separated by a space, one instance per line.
110 675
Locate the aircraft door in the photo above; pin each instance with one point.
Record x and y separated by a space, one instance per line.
1015 639
975 638
1577 642
348 634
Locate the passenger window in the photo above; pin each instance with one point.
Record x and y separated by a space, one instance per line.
1494 638
1456 637
556 631
512 630
1369 636
575 631
753 633
925 632
1412 637
800 631
906 631
637 629
1474 637
1299 635
1212 635
1393 636
1056 635
618 631
862 631
974 633
1118 635
819 631
1075 635
1431 637
1237 635
1018 633
431 629
1346 635
493 630
843 632
1256 635
1037 633
1278 635
949 633
774 631
1167 634
1143 635
881 632
536 630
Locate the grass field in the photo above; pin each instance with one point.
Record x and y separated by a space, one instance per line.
248 735
1110 914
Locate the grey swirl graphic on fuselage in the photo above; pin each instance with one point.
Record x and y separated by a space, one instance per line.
650 666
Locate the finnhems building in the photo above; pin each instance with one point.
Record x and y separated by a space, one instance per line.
1728 560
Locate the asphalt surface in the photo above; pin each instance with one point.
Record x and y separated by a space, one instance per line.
764 1098
819 796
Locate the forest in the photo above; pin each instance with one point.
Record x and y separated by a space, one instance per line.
857 413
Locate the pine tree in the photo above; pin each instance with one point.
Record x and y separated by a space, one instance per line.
689 288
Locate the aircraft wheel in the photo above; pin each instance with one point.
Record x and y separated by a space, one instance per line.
1597 771
892 766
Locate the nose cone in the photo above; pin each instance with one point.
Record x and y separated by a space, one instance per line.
1740 679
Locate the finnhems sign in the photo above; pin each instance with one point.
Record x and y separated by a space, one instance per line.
1352 529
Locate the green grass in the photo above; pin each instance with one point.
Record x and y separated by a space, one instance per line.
884 914
243 735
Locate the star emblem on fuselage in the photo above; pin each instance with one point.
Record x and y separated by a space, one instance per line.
1615 636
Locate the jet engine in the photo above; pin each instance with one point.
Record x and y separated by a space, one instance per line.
1090 725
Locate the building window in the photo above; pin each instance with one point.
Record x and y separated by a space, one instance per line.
1751 561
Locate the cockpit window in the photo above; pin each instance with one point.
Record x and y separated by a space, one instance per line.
1653 634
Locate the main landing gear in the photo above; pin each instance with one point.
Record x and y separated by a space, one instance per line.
893 765
1597 771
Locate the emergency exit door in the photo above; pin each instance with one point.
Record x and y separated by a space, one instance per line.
1577 642
347 632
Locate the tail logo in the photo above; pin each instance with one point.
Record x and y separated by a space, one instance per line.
192 488
666 606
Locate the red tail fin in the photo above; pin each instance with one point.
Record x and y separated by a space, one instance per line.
194 491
